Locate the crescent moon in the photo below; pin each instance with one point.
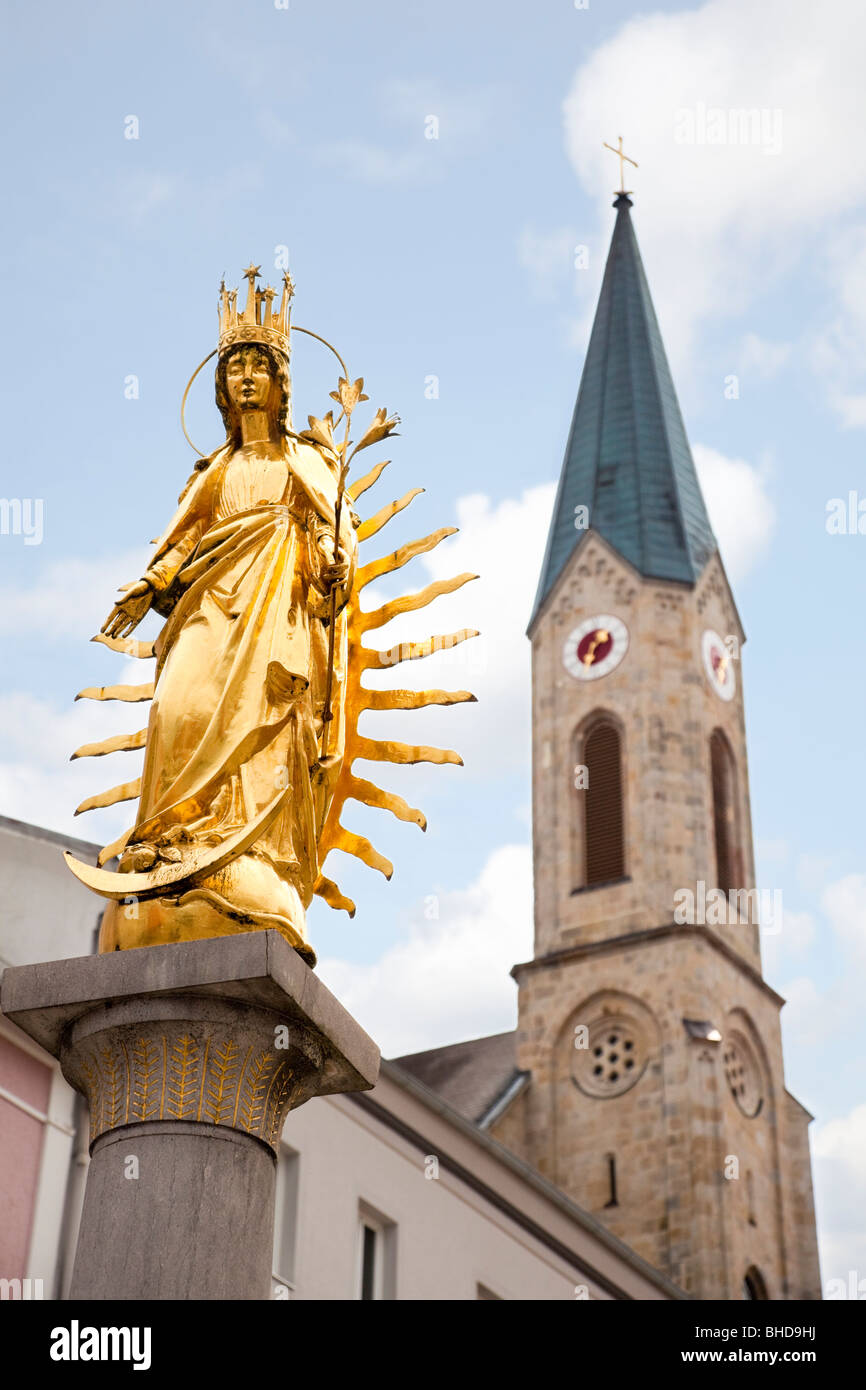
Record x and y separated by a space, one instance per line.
199 863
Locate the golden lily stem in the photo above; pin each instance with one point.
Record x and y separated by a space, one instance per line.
327 712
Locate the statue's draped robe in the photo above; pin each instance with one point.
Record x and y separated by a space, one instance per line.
242 659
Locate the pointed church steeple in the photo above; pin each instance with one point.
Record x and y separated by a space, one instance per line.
649 1038
628 458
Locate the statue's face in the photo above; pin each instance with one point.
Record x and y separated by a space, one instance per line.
249 376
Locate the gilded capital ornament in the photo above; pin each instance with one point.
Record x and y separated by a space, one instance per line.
205 1061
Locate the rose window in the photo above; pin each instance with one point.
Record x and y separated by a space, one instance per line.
742 1074
613 1060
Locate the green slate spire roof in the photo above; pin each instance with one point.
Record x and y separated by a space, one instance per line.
627 458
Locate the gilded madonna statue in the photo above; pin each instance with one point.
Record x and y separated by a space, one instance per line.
257 692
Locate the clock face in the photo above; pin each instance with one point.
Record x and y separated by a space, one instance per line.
596 647
718 664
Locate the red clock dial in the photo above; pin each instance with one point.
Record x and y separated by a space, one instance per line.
596 647
718 664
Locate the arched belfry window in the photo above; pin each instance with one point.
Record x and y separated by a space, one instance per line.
603 837
725 821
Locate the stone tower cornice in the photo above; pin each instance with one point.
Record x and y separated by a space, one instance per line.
647 937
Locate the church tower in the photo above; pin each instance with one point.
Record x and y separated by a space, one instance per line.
648 1038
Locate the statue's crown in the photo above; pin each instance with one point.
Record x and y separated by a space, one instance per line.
259 322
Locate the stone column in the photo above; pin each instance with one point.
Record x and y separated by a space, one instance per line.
190 1057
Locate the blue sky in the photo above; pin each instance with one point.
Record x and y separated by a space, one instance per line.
454 257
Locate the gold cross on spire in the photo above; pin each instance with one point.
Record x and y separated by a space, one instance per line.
623 160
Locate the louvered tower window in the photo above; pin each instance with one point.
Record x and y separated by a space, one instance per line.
724 813
603 841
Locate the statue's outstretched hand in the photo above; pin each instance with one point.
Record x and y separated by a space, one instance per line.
128 613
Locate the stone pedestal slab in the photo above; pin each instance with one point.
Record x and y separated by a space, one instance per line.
190 1057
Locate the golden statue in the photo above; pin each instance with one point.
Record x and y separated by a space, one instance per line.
254 719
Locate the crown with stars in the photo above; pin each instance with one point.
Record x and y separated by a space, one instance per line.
259 322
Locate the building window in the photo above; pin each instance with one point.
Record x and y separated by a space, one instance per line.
371 1261
602 802
611 1179
753 1284
743 1075
376 1259
614 1058
750 1199
286 1222
728 858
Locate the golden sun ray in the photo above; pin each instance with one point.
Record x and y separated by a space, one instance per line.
126 791
375 524
114 849
121 743
414 651
356 489
412 699
360 697
367 573
378 617
131 693
127 646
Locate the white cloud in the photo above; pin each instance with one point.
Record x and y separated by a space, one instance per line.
803 1017
371 163
71 598
448 979
548 258
740 510
723 217
39 784
762 357
139 195
441 123
503 543
773 851
465 115
852 409
812 871
844 903
69 601
794 939
839 353
146 196
813 1014
822 1022
798 931
275 129
840 1165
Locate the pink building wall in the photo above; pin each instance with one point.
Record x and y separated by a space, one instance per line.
29 1080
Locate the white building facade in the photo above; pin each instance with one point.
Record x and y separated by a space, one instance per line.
390 1195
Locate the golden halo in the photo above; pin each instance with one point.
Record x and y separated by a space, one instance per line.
296 328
